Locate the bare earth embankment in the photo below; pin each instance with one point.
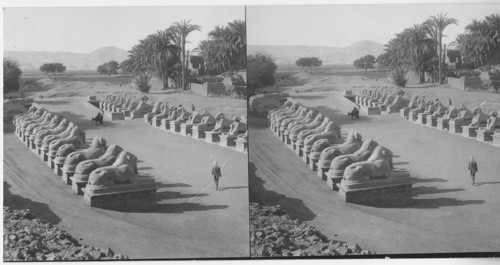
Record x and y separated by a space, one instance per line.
448 214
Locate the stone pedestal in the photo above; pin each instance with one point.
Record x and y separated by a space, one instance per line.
126 113
442 124
136 114
227 141
469 131
484 136
242 146
175 126
298 150
333 178
39 150
431 121
282 136
148 119
50 163
66 177
371 110
165 124
496 139
403 114
313 163
156 122
186 129
287 140
412 116
141 196
305 154
199 133
58 168
380 193
77 186
421 118
456 127
115 115
212 137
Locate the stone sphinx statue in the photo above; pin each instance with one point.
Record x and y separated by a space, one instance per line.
52 137
301 115
431 108
308 119
493 122
341 162
56 119
450 113
464 116
411 105
330 132
281 118
388 100
120 172
243 137
141 107
222 124
35 116
352 143
283 114
304 133
378 166
84 168
285 107
75 137
297 128
131 106
156 110
478 117
237 127
182 115
30 113
206 121
42 133
118 105
26 123
96 149
31 127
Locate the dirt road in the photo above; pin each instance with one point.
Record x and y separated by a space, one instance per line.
448 213
192 220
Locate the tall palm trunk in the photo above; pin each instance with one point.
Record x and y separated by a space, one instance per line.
183 72
440 36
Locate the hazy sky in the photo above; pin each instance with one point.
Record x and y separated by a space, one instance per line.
342 25
84 29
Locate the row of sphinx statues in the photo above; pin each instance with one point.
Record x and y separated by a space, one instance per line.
353 163
88 168
470 123
199 125
384 101
120 104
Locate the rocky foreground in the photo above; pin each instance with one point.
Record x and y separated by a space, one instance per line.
26 238
274 234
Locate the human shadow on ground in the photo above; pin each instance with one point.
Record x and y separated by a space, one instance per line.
41 210
259 194
442 202
422 180
400 163
232 188
144 168
171 185
431 190
186 207
490 182
168 195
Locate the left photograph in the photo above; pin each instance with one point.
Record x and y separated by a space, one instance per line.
125 133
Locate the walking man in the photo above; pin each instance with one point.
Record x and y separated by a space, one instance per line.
473 169
216 172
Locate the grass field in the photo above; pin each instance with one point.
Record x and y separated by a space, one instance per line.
79 75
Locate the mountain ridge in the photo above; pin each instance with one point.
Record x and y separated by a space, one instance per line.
288 54
32 60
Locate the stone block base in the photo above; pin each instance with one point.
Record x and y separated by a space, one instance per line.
212 137
77 186
322 172
333 179
371 110
442 125
312 164
227 141
175 126
403 114
421 118
114 116
298 150
431 122
66 177
305 156
469 131
165 124
455 128
242 146
186 129
395 195
484 136
126 197
58 168
496 139
199 133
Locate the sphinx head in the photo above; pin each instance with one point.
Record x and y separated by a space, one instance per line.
65 149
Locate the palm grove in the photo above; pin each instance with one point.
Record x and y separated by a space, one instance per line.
420 48
163 54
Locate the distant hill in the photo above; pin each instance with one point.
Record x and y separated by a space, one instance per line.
72 61
288 54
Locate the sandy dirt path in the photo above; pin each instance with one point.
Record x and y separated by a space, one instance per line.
448 214
192 221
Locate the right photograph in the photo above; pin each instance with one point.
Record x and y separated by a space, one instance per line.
374 130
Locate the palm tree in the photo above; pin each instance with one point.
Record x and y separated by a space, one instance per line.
418 47
438 24
161 52
181 30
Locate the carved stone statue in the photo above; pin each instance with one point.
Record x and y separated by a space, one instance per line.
237 127
378 166
302 114
478 117
464 116
76 137
285 107
341 162
27 115
296 129
207 121
84 168
331 132
194 118
52 137
303 134
120 172
493 122
352 143
222 124
57 130
96 149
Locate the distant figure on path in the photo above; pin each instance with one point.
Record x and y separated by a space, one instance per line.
473 169
192 106
449 101
216 172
